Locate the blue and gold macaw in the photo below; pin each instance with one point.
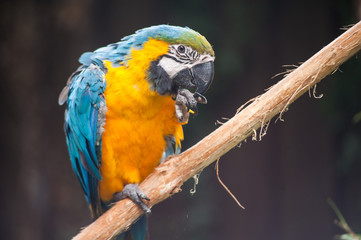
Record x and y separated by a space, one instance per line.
126 105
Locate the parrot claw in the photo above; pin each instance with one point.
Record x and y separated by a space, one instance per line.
184 102
200 98
181 109
135 194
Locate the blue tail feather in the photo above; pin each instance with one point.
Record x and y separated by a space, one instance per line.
138 231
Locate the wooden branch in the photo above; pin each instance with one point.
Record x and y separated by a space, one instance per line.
167 179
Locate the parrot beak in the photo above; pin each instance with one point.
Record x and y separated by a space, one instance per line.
198 79
203 76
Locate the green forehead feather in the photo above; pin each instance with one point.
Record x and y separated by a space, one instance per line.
193 39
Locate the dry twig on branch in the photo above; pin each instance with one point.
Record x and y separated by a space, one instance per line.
167 179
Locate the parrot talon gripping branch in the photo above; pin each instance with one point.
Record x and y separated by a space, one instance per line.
125 107
135 194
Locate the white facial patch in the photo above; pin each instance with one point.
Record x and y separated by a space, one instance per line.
173 67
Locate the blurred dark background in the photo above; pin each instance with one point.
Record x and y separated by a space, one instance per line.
283 181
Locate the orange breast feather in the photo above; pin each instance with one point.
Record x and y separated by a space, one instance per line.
137 120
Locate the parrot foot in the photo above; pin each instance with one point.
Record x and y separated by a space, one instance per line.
135 194
185 101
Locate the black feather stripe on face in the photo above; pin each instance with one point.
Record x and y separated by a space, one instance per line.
187 57
160 80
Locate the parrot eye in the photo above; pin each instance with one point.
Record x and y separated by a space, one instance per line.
181 49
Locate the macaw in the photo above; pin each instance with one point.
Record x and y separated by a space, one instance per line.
126 105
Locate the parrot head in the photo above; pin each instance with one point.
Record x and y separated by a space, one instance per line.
188 64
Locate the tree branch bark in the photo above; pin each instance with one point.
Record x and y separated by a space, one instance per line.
167 178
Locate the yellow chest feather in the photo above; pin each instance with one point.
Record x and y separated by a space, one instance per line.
137 121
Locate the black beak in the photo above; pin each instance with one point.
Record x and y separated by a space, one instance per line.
203 76
198 78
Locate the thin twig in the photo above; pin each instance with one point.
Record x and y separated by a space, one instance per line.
225 187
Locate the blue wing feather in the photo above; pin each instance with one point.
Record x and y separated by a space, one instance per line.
82 128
